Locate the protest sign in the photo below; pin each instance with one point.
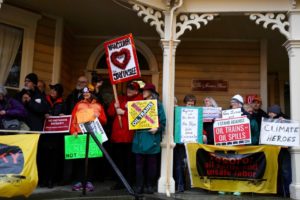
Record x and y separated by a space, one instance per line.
231 113
233 168
18 171
94 126
121 59
188 124
280 132
233 131
142 114
211 113
57 124
75 147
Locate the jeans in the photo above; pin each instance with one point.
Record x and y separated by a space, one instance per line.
180 165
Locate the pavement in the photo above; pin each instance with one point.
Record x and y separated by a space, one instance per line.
102 191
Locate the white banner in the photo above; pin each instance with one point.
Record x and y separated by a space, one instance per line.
231 113
280 132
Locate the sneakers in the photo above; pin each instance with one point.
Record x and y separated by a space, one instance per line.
237 193
221 192
77 186
89 187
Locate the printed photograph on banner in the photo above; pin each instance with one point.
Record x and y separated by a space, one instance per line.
18 170
57 124
96 127
233 168
142 114
232 131
188 124
122 59
280 132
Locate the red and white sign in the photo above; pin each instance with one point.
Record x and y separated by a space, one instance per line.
250 97
233 131
57 124
121 59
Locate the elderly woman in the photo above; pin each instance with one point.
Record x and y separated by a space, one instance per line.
146 146
209 126
89 102
10 109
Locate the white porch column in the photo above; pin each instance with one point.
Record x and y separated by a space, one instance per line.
293 48
166 183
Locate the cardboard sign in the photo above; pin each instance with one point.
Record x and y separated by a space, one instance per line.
233 168
231 113
121 59
233 131
211 113
142 114
75 147
188 124
57 124
280 132
95 127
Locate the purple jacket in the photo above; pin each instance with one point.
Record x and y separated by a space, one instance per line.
13 108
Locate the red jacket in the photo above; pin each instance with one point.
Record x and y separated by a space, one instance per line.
83 104
121 135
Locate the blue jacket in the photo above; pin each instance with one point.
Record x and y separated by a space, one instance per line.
144 142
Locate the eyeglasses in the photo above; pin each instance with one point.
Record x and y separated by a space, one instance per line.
81 81
27 80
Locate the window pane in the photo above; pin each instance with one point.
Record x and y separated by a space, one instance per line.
13 79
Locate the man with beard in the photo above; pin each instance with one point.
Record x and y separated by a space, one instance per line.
258 113
76 94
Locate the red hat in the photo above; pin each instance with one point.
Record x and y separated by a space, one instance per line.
151 87
257 98
133 85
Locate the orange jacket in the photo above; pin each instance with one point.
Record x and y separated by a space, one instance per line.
82 105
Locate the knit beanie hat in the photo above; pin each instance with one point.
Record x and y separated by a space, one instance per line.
32 77
275 109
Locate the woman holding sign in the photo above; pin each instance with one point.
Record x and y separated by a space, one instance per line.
85 110
146 146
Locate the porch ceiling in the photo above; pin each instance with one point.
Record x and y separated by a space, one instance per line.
106 18
90 17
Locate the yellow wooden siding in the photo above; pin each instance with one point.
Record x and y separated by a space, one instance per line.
44 49
67 72
236 62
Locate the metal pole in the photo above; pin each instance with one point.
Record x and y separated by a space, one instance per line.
112 163
86 163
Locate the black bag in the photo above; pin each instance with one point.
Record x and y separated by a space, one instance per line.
11 124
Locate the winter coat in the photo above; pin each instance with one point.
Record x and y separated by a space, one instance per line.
258 115
36 108
56 106
83 105
72 100
144 142
255 131
121 135
13 108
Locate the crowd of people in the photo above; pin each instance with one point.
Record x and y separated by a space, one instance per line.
136 153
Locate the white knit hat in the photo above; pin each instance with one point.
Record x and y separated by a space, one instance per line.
3 90
238 98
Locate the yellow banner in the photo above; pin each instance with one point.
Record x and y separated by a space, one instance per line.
18 171
142 114
233 168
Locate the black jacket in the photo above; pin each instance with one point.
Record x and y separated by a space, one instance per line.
72 100
36 108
